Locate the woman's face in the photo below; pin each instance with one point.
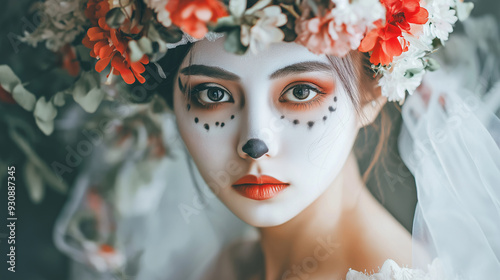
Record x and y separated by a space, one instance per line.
269 132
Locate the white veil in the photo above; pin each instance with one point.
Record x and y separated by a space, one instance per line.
450 141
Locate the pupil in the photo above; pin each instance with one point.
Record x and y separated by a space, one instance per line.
215 94
301 93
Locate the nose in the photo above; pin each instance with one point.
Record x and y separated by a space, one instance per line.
257 136
255 148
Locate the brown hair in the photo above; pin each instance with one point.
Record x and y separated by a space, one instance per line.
355 73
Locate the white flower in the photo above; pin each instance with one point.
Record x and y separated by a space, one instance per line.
158 6
61 22
418 45
441 19
404 75
351 20
390 270
356 275
266 29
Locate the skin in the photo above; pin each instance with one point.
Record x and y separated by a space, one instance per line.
309 144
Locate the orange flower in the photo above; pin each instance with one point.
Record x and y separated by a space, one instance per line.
6 97
95 10
192 16
385 41
69 61
110 46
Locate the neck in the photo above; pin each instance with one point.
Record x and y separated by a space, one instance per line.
312 238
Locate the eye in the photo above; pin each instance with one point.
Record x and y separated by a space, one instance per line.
210 94
299 94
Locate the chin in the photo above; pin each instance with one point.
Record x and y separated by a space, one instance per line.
268 213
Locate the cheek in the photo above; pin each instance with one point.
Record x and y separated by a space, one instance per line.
313 117
204 119
211 149
317 155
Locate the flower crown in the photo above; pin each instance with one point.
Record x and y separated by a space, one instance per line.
125 35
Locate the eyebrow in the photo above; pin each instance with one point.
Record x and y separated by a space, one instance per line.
302 67
209 71
296 68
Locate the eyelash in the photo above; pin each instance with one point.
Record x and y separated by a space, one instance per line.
193 95
317 100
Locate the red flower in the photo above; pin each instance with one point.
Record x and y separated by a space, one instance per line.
6 97
386 41
109 45
192 16
69 61
95 10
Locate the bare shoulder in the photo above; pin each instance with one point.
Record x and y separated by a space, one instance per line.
239 260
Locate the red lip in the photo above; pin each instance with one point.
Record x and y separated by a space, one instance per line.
259 188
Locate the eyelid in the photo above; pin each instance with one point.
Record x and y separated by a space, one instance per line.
306 84
204 86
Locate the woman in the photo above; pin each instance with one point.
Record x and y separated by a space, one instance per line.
269 113
272 135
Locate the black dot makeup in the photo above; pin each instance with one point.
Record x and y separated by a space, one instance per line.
188 107
217 123
206 126
222 125
232 116
332 108
196 120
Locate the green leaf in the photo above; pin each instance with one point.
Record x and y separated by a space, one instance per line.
90 100
47 127
115 17
87 93
12 84
169 35
135 51
44 110
233 42
146 45
44 113
48 174
8 79
412 72
34 183
226 24
59 99
23 97
431 64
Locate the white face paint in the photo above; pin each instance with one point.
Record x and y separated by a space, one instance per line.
308 137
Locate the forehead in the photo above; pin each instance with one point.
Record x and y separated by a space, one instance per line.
275 56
